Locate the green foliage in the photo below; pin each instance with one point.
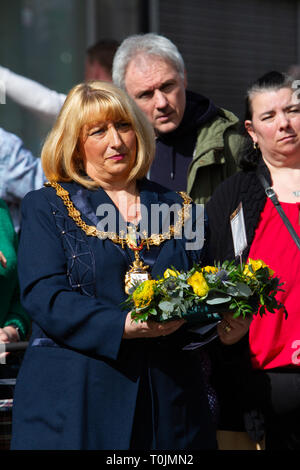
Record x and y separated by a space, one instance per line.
245 289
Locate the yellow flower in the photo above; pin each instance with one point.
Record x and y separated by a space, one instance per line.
143 294
256 265
199 284
170 272
210 269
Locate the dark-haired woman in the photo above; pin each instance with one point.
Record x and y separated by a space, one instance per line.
272 128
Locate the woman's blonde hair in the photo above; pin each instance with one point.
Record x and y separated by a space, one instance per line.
86 104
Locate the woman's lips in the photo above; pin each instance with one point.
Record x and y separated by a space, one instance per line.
117 157
287 137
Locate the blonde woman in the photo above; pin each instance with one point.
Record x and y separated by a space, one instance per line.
92 378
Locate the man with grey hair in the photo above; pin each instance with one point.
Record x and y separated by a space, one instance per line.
197 142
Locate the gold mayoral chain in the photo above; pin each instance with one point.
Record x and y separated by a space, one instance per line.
138 271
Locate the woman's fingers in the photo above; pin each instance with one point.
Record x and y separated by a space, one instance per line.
150 329
231 330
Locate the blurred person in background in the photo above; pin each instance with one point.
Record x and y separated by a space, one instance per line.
20 172
40 99
14 323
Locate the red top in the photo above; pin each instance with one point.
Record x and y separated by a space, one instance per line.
274 340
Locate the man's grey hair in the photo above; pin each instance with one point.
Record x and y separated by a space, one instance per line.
145 44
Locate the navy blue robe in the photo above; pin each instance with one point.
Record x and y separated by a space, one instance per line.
80 381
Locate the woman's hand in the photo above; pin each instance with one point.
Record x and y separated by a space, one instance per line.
149 329
8 334
231 330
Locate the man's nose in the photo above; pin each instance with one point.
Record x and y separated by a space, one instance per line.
160 99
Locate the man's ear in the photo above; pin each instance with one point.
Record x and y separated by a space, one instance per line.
250 130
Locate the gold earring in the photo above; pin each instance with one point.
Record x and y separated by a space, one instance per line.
255 146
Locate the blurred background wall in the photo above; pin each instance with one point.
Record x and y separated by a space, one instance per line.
225 44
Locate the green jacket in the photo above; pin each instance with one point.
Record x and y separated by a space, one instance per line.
215 156
11 311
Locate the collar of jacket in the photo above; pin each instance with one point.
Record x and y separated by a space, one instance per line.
211 137
210 148
199 110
